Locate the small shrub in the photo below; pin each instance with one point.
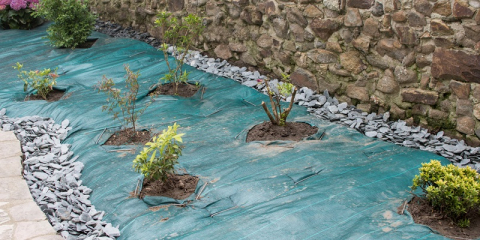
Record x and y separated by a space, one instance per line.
73 21
452 190
158 160
284 89
17 14
41 81
181 34
464 223
124 103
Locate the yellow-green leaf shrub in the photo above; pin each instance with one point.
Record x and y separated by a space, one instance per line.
454 191
158 159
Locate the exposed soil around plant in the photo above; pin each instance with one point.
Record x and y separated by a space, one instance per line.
87 44
52 96
176 186
423 213
184 89
126 137
292 131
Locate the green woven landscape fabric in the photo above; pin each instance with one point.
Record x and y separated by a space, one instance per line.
344 186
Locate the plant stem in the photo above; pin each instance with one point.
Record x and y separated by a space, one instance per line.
274 109
264 105
165 54
287 111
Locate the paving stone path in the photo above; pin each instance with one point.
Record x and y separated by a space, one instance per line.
20 216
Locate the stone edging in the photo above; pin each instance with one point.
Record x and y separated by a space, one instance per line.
52 174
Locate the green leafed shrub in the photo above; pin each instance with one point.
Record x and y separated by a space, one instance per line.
41 81
157 160
452 190
73 21
181 33
18 15
284 90
123 103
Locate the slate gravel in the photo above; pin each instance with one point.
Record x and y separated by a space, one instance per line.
324 106
52 174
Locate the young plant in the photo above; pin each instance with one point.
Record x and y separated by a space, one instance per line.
157 161
284 89
182 34
73 22
124 103
17 14
454 191
41 81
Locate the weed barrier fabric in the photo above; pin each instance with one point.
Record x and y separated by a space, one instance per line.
344 186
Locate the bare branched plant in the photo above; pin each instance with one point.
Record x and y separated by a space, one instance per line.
123 103
278 116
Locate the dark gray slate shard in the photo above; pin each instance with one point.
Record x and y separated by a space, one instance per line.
53 178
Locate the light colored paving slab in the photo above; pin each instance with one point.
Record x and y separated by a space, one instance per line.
20 216
6 232
14 188
49 237
28 211
11 166
4 218
8 137
10 149
28 230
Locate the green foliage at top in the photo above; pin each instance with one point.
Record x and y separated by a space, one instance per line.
182 34
42 81
157 161
284 90
124 103
73 21
19 19
454 191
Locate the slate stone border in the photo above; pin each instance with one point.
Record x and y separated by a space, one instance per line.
324 106
52 175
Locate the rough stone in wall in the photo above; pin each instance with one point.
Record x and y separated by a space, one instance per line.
415 95
458 65
387 83
415 58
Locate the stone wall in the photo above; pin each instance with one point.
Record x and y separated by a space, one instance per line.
417 59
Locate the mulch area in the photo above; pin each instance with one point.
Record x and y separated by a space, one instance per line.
52 96
88 44
176 186
183 90
423 213
127 136
292 131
